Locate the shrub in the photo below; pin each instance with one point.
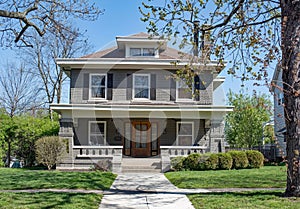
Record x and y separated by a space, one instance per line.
255 158
102 165
239 159
192 161
211 163
177 163
225 161
50 150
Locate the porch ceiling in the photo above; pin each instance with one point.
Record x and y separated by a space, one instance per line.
141 111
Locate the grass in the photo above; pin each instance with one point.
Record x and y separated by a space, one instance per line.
244 200
266 177
49 200
42 179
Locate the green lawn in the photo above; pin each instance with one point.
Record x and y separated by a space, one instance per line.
244 200
42 179
266 177
45 200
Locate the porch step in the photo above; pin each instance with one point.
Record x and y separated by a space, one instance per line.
141 165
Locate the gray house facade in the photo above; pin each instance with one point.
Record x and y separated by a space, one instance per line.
279 119
126 103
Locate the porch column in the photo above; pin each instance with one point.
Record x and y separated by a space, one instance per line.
66 134
216 143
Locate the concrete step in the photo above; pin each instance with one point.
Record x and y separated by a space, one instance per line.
141 165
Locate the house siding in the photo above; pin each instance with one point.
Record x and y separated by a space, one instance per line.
79 88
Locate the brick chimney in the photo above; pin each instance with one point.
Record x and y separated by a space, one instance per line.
205 44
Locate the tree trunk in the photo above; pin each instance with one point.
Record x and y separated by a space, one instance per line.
291 85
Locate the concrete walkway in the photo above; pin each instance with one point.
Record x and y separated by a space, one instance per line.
144 191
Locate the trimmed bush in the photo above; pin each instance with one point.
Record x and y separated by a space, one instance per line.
212 162
239 159
225 161
192 162
255 158
177 163
50 150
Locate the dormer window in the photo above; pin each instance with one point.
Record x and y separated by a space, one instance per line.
142 52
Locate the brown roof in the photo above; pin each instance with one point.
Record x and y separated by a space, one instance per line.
114 52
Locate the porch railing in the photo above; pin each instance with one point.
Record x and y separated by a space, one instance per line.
97 151
175 151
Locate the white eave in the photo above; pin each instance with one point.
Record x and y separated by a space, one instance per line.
117 63
218 81
143 108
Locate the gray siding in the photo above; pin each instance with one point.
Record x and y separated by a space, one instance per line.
79 88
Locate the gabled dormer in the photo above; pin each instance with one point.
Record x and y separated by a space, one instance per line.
141 45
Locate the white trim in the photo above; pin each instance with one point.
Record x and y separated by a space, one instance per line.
133 86
90 86
184 99
89 132
177 129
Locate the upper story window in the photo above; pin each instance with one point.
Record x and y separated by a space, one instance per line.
141 86
98 84
185 133
183 91
138 52
97 133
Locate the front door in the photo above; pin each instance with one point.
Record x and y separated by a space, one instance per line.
141 143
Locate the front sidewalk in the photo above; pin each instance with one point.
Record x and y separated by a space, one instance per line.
144 191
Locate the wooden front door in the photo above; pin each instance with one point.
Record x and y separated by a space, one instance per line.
141 143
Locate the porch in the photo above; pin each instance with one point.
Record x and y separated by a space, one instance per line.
85 157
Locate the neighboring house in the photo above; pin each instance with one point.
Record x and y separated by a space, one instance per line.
279 119
124 102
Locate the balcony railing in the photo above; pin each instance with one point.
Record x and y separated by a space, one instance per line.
97 151
175 151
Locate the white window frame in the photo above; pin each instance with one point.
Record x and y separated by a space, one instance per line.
177 131
184 99
142 52
89 133
90 86
133 86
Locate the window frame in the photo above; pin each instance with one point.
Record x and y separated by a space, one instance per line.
89 133
142 49
177 131
133 85
90 86
184 99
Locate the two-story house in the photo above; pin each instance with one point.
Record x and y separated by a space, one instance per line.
124 101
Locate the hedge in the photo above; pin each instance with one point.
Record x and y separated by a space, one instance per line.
255 158
239 159
225 161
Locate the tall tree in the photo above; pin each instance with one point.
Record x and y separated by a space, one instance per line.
253 33
18 19
18 92
244 126
43 54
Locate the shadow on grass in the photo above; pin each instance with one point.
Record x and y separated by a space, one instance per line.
49 200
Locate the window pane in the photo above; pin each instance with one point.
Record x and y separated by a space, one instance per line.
185 129
184 93
135 51
148 52
96 140
98 80
184 140
141 81
98 92
97 128
154 136
183 90
141 93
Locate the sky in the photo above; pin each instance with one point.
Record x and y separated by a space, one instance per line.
122 18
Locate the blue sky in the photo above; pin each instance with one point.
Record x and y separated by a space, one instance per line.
120 18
